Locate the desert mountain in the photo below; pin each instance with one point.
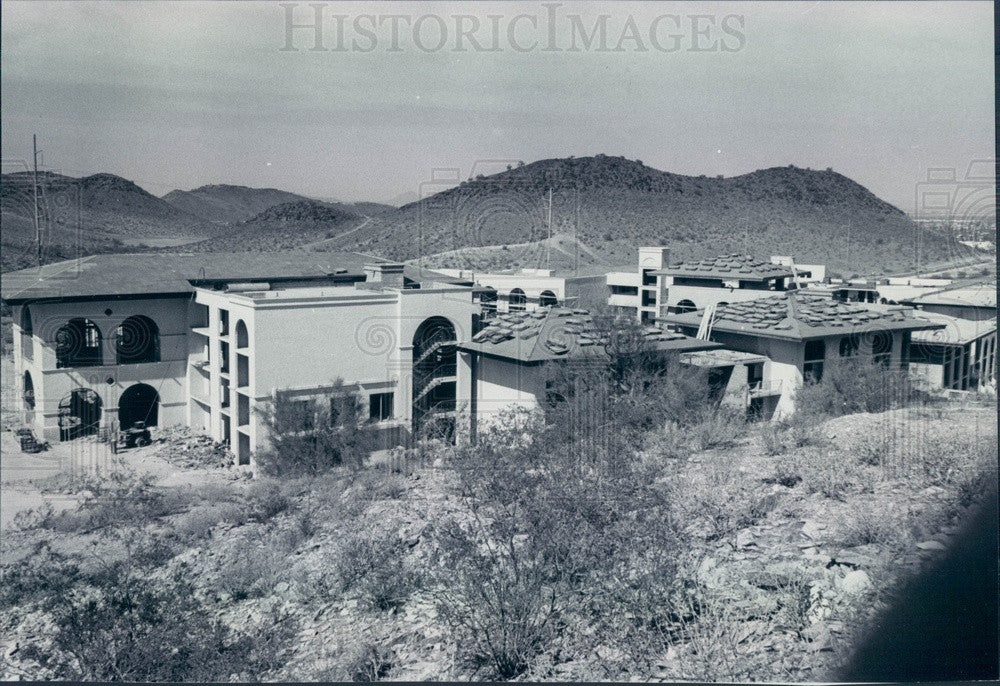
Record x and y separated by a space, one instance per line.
613 205
281 227
86 215
225 204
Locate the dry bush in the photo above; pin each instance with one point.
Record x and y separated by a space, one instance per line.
874 523
852 385
373 567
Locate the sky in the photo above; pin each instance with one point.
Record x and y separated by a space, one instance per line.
181 94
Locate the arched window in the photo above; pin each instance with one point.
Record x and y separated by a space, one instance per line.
139 403
78 344
29 392
242 337
137 339
547 299
516 300
685 306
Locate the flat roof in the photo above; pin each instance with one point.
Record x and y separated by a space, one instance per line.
800 315
956 331
152 274
552 333
735 266
983 295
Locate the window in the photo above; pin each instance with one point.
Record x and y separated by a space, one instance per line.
488 302
380 407
812 368
242 337
547 299
78 344
27 334
223 322
848 346
516 300
648 277
648 298
882 347
684 306
755 375
137 340
624 290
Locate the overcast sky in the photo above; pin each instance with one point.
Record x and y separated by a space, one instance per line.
180 94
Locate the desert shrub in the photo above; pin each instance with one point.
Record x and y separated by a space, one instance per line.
144 629
374 568
873 524
309 438
264 500
720 428
785 473
852 385
719 501
248 567
41 573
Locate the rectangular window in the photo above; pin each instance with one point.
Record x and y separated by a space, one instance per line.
812 367
648 277
380 407
755 375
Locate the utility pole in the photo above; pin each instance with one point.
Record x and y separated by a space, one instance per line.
548 248
34 190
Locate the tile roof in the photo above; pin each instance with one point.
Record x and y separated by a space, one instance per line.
800 315
551 333
147 274
733 266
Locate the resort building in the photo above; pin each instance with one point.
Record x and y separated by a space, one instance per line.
962 356
659 287
525 290
206 340
976 302
507 363
798 332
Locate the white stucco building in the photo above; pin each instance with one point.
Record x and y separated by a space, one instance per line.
204 340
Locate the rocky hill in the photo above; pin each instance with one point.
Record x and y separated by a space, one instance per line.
613 205
227 204
98 213
284 226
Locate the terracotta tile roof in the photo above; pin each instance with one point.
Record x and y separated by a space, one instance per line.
733 266
550 333
801 315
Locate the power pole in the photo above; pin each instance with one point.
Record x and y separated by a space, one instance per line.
34 190
548 243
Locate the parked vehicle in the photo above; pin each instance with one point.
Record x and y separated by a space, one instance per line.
29 443
136 436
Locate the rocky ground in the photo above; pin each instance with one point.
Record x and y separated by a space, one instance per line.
838 520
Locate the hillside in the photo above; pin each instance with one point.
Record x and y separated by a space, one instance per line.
98 213
227 204
614 205
281 227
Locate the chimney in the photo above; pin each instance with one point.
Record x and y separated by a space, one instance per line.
387 274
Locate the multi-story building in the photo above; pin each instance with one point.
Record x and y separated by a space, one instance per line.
206 340
961 356
799 332
659 287
525 290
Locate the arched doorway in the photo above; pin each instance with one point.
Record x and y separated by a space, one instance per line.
434 375
79 414
137 339
139 403
547 299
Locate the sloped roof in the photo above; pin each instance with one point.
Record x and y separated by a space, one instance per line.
733 266
799 315
147 274
552 333
956 330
